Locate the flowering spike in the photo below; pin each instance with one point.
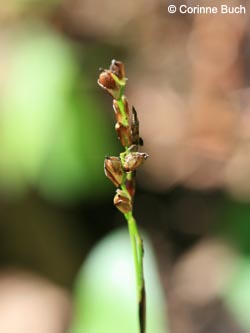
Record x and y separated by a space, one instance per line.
106 81
130 186
117 67
121 171
122 202
118 114
113 170
123 134
125 103
133 160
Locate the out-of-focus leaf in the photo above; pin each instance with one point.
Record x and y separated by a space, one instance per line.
105 295
75 163
235 227
237 295
234 223
41 73
53 136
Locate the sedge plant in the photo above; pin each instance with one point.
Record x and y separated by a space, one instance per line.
121 170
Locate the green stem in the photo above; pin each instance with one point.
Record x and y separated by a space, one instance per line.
137 246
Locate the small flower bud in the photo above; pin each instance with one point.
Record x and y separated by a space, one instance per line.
123 134
113 170
130 186
125 102
118 114
117 67
133 160
107 82
120 117
122 201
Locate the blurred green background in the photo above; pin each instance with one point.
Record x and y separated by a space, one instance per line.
60 245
